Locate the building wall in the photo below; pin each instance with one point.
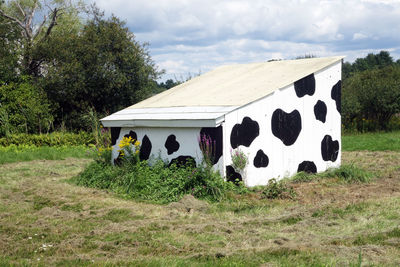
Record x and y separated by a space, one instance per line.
170 144
295 128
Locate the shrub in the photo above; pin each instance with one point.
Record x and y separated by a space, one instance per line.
52 139
157 183
239 159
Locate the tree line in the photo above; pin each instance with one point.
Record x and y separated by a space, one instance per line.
371 93
59 59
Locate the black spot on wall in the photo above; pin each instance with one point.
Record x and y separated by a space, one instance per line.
131 134
145 148
183 161
232 175
336 94
320 111
305 86
260 160
329 148
115 134
171 144
307 166
286 126
244 133
215 133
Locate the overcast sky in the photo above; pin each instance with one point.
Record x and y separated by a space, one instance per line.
191 36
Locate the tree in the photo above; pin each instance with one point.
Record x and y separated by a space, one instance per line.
371 61
372 95
103 67
33 31
23 108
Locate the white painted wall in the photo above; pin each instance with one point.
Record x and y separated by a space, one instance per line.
187 138
284 160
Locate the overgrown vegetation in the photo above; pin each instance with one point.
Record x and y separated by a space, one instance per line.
158 183
14 153
348 173
51 139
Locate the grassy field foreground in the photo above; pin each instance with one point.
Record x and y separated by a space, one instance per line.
44 220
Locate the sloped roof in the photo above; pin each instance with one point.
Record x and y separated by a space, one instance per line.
228 86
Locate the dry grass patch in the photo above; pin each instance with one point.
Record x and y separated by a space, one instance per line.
46 220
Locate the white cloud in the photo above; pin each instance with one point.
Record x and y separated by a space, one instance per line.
188 35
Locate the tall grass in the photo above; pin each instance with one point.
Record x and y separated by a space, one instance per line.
15 153
378 141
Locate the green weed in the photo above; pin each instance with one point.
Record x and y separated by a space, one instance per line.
278 189
158 183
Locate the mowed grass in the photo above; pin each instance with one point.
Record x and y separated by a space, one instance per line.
46 220
380 141
27 153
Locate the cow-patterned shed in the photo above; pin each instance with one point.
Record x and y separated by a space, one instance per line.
284 115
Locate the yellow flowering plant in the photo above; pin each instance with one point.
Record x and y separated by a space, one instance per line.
129 149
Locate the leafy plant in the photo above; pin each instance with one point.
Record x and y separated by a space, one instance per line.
207 147
278 189
239 159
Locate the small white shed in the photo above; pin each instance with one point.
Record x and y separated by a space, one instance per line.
284 115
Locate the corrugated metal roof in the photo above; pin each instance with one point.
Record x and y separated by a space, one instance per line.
206 98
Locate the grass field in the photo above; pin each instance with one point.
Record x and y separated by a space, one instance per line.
372 141
27 153
46 220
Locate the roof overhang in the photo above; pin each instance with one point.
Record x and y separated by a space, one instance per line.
168 117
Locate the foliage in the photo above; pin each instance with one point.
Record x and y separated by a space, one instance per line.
207 147
157 183
24 108
169 84
239 159
51 139
278 190
348 173
17 153
372 95
36 21
103 67
129 150
370 62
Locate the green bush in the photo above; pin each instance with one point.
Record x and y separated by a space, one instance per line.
371 98
157 183
52 139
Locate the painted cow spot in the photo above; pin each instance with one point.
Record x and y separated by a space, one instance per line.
244 133
320 110
171 144
286 126
215 134
260 160
183 161
232 175
145 148
307 166
329 149
336 94
115 134
305 86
